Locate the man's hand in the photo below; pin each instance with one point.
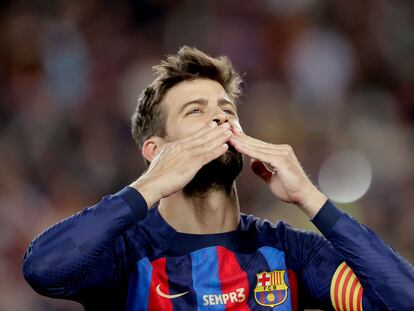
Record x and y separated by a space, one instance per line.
179 161
278 166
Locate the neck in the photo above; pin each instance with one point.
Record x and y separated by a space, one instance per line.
213 212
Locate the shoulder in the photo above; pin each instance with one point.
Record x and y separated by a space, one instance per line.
146 237
278 232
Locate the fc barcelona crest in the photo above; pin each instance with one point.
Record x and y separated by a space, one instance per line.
271 289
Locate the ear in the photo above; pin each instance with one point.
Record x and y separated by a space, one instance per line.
151 147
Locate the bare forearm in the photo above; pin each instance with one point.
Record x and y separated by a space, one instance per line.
313 203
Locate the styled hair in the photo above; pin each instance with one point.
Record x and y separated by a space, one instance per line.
188 64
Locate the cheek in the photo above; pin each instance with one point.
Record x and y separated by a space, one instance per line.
179 128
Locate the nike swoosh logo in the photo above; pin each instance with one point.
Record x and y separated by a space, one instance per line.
159 292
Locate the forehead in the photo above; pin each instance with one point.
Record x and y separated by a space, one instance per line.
189 90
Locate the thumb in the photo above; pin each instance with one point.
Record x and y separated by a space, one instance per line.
261 170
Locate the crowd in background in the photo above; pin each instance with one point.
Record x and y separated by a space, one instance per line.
322 76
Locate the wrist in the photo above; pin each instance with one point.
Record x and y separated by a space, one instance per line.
313 202
147 191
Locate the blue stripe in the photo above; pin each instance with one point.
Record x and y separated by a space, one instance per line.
179 272
276 261
274 257
206 279
252 264
139 285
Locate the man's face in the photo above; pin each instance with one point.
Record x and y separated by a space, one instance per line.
190 106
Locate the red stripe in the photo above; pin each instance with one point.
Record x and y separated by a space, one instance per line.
344 287
293 282
232 279
351 293
336 290
359 299
159 276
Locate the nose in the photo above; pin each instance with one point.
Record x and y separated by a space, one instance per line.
220 117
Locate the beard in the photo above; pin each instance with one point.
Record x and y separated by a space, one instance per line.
218 174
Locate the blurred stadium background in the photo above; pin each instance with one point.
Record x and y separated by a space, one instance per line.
335 79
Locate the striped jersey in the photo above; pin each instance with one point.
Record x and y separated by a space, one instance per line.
117 255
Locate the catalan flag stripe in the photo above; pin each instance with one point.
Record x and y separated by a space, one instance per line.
352 278
348 273
346 290
352 293
359 299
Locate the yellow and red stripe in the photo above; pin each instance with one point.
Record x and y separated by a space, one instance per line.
346 290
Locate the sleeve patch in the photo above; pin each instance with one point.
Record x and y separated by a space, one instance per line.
346 290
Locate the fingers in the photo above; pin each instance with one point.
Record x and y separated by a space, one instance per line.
178 161
256 143
211 140
253 146
213 144
202 131
200 148
207 132
236 127
279 157
257 153
243 141
239 135
213 153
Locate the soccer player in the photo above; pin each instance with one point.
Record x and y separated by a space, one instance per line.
194 250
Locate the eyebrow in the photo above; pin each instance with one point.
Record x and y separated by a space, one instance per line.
204 102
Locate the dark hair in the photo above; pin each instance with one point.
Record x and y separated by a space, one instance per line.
188 64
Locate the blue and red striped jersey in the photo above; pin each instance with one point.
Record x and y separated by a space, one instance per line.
117 255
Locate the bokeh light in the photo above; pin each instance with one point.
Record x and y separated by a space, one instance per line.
345 176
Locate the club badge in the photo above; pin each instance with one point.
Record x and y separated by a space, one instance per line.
271 289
